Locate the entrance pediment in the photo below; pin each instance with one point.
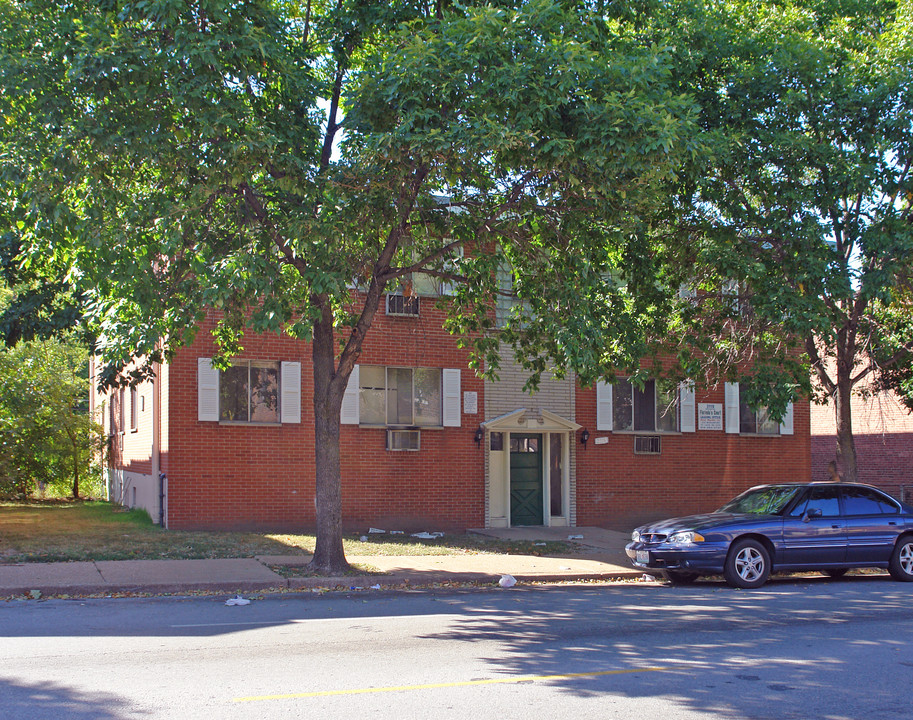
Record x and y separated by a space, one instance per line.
535 419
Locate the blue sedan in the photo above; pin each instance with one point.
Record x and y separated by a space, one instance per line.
829 527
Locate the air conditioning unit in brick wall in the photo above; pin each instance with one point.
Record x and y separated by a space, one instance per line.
647 444
404 440
402 306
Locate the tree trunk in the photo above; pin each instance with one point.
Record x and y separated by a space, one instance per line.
329 557
75 447
846 445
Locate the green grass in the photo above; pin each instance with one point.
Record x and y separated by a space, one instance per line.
60 531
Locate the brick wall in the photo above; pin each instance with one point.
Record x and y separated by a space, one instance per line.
695 472
236 476
883 432
223 475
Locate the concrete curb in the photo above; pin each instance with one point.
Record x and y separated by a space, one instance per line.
251 575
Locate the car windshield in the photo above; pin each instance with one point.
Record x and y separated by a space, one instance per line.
762 501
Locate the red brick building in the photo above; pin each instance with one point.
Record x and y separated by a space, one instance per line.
883 432
426 444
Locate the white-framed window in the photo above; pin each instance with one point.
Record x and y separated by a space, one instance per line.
746 420
250 391
402 397
660 406
730 295
427 285
134 407
756 422
654 408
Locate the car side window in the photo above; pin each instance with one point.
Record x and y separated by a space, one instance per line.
822 498
863 501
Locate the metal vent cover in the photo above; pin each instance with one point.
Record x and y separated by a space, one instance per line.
402 306
647 444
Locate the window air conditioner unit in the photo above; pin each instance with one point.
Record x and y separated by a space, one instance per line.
402 306
404 439
647 445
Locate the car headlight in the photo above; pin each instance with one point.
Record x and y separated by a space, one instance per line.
635 536
685 537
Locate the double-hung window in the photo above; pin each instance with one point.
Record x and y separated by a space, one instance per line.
654 408
756 421
250 391
134 401
659 406
744 419
400 397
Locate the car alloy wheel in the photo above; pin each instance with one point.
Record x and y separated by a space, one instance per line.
901 565
747 565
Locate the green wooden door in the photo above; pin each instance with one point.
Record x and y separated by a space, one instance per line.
525 479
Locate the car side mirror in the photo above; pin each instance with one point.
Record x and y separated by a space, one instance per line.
811 513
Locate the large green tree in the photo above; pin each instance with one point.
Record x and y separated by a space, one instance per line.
287 163
47 436
796 229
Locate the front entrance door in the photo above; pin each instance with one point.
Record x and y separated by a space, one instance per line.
525 479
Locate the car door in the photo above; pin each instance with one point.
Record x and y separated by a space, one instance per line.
873 523
814 532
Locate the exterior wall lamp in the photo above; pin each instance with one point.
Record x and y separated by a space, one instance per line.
584 437
480 434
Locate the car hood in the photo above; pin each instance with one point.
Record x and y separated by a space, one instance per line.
699 522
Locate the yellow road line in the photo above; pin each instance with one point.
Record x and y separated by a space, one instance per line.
435 686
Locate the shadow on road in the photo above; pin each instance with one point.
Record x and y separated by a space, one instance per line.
798 648
54 700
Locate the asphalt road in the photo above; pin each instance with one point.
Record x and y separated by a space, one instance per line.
795 649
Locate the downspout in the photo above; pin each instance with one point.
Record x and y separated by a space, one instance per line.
157 441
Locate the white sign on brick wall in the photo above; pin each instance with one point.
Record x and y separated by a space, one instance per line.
470 403
710 416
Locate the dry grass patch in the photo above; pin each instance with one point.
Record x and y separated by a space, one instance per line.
60 531
65 531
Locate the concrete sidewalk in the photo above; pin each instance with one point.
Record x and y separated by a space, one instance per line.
600 556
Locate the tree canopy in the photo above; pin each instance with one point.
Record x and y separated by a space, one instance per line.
286 163
47 437
798 224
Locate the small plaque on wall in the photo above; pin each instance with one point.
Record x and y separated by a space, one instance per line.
709 416
470 403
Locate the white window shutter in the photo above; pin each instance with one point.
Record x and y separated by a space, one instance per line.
291 392
450 379
732 408
686 407
207 391
786 426
603 406
349 413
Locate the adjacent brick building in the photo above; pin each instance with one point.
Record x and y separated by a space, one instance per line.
883 432
426 444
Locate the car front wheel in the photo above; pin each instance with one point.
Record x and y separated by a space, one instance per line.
901 565
747 565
